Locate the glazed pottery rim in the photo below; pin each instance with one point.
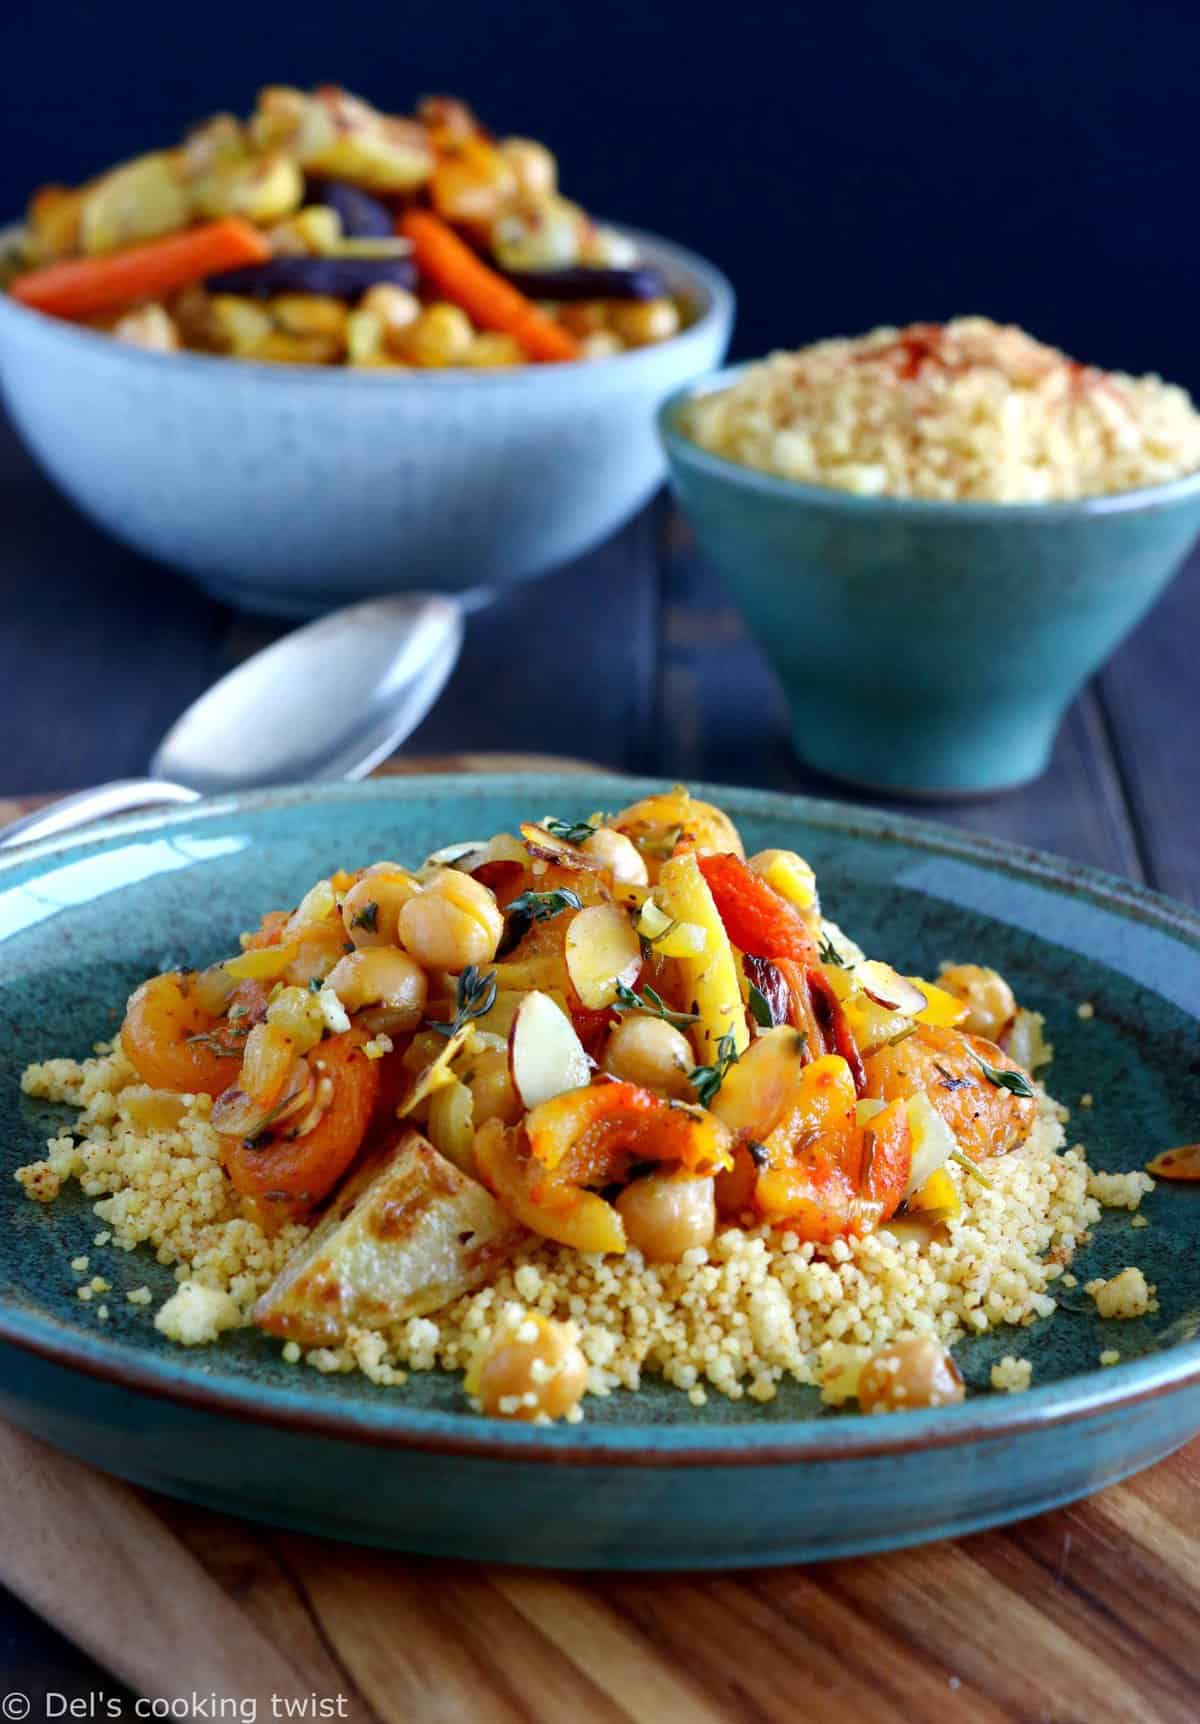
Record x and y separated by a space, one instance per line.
388 1422
719 308
683 450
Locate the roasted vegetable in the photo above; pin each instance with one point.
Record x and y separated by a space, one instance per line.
406 1234
140 200
361 216
86 286
336 277
580 282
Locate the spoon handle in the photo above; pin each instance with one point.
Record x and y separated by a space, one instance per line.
85 806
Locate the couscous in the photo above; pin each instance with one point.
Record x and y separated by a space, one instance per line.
966 410
571 1107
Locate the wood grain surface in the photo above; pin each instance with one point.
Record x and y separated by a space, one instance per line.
1088 1615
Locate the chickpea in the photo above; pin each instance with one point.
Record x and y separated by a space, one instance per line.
309 314
619 854
917 1372
490 350
382 976
440 336
279 348
653 1053
535 168
371 908
642 322
395 308
532 1365
473 183
666 1214
585 316
453 922
149 326
491 1088
989 996
600 344
364 338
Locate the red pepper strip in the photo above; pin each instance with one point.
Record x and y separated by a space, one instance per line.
757 919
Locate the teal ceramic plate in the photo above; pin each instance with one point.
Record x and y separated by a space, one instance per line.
647 1481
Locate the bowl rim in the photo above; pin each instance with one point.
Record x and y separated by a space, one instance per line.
683 451
719 309
391 1424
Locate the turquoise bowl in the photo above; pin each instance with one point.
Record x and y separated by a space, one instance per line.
923 647
647 1481
291 489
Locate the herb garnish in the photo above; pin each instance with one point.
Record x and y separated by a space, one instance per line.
664 846
540 906
315 984
650 1001
571 833
828 953
475 995
1016 1083
707 1080
760 1008
211 1045
367 917
531 907
972 1167
949 1081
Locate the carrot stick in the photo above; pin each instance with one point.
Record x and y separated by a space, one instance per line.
486 297
80 287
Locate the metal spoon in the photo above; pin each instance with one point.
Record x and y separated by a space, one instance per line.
330 700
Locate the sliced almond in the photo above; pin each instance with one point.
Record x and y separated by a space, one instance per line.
602 951
888 988
545 1056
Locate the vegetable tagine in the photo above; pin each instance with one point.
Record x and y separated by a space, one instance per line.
324 232
597 1096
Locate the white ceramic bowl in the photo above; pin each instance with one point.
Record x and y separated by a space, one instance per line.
289 489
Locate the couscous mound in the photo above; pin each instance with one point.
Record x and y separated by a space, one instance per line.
753 1309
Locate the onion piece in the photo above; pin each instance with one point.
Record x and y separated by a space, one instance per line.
545 847
933 1143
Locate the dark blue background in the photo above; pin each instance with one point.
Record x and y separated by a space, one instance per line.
846 165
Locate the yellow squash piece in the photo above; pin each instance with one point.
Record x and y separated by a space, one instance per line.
941 1008
939 1193
261 963
567 1213
711 977
406 1234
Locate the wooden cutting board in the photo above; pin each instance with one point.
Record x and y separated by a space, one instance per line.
1089 1615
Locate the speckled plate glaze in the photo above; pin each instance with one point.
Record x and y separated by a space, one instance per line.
647 1481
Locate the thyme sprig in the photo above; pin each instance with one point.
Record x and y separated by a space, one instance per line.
828 953
571 832
531 907
651 1001
474 997
1016 1083
707 1080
